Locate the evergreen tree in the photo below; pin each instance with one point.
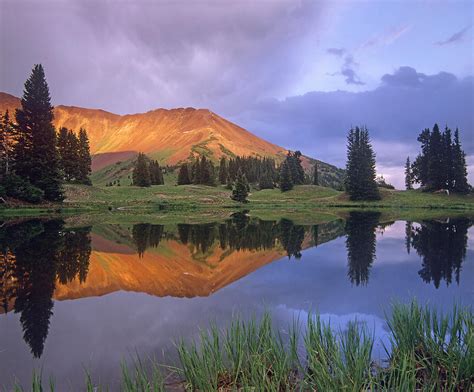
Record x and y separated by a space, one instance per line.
315 174
435 160
408 175
293 160
36 157
6 144
460 183
361 245
229 184
240 190
441 163
204 170
68 151
183 176
141 172
85 160
360 168
196 172
223 171
286 182
156 173
266 180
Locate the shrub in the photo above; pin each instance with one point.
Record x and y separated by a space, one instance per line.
19 188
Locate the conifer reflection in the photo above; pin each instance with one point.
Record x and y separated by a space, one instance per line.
35 255
361 245
442 246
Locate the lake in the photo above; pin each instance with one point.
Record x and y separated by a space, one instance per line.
75 298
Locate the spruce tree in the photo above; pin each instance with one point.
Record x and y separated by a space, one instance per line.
266 180
408 175
156 173
229 183
141 171
183 176
68 151
240 190
286 182
6 144
460 183
36 157
360 168
85 160
293 160
315 174
223 171
435 160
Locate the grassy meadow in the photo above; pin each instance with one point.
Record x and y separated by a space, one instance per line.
304 203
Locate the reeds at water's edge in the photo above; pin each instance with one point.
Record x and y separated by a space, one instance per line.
429 352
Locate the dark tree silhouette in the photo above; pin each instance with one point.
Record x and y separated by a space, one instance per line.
43 252
183 176
360 167
442 246
146 236
408 175
291 237
141 171
361 245
240 190
286 183
35 154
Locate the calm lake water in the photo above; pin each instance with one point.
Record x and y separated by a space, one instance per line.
90 297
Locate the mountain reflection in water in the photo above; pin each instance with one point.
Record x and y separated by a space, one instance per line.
42 259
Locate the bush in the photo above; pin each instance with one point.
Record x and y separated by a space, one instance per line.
19 188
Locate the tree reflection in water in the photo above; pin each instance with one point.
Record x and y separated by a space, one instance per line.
442 247
34 256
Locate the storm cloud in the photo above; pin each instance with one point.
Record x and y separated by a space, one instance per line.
273 67
129 57
406 102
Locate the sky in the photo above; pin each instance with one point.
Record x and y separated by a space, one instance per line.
298 73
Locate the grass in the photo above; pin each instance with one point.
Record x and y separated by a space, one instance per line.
429 352
301 197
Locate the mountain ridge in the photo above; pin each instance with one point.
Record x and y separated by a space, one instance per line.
170 136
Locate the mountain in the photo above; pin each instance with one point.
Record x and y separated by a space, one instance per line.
171 136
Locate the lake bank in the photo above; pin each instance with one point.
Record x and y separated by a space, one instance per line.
304 200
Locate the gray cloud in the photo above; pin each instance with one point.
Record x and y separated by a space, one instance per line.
336 51
456 37
405 103
348 71
128 57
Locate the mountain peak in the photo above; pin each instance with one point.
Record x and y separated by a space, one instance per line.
170 135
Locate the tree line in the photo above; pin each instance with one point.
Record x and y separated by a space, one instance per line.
34 160
147 172
441 163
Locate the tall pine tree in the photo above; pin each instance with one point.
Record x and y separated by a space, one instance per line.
315 174
408 175
183 176
223 171
360 168
85 161
36 157
286 182
460 183
6 144
241 188
141 171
